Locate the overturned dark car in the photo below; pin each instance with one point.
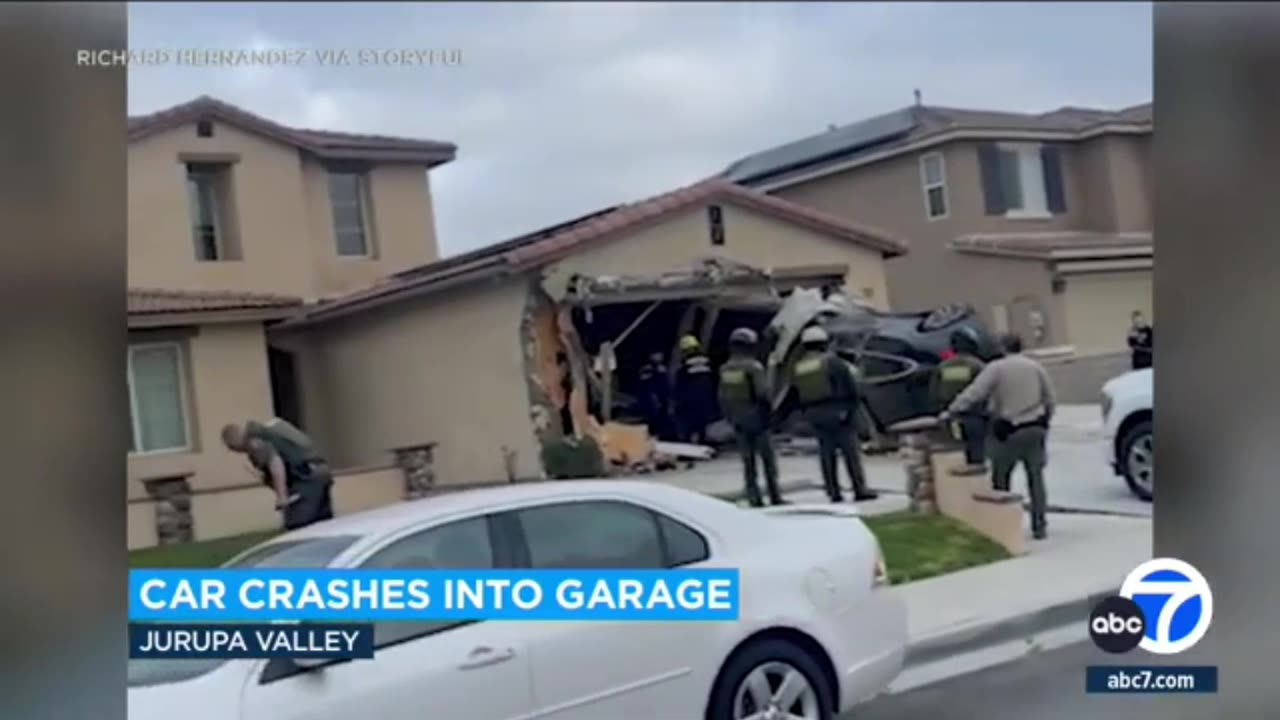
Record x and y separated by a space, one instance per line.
895 354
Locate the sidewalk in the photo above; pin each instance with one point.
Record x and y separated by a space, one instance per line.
966 621
976 618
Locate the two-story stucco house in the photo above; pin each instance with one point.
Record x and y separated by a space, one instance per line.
234 222
289 272
1041 222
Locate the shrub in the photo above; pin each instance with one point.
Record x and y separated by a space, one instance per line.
569 458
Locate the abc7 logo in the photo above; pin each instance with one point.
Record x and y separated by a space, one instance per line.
1117 625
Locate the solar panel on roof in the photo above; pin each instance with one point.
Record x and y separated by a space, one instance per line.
840 141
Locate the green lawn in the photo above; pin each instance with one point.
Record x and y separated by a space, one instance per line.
206 554
916 546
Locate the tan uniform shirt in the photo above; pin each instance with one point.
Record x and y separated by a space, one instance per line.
1015 387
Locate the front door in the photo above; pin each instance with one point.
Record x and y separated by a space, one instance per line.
420 670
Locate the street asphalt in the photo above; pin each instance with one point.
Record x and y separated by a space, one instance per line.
1046 686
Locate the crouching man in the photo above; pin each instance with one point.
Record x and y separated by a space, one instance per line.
289 465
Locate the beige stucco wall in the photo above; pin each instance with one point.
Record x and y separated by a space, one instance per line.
1116 185
446 369
1107 187
227 381
282 218
889 195
1098 308
750 237
250 508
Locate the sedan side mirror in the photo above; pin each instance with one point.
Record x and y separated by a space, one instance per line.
282 668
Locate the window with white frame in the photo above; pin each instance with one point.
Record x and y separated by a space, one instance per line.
157 400
1022 180
933 177
206 185
348 192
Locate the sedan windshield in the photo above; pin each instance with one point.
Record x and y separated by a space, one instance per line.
308 553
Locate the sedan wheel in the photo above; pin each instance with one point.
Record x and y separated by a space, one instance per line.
776 691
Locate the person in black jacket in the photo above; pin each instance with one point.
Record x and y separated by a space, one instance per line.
1141 340
695 392
654 397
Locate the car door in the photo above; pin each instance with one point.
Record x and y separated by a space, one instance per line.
420 670
593 670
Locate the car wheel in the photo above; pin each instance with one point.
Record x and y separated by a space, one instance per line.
1137 459
772 680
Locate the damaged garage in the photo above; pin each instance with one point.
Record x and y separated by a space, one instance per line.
498 358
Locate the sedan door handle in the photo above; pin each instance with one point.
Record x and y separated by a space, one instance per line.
486 656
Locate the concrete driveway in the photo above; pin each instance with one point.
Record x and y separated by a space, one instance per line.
1078 476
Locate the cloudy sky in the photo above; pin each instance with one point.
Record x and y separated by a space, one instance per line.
561 109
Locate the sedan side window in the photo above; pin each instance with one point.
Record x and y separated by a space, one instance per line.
684 544
594 534
460 545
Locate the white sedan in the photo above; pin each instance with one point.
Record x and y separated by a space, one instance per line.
819 630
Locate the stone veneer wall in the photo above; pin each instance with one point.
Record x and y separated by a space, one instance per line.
417 462
171 501
173 513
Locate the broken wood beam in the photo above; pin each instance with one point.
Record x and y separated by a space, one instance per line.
685 450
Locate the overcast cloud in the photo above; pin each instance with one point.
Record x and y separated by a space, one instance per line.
561 109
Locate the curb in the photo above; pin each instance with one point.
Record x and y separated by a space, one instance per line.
1067 510
986 634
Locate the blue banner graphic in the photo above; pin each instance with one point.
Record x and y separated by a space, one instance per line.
266 640
361 596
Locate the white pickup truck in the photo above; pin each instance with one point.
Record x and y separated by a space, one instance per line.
1126 418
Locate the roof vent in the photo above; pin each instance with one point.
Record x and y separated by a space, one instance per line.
204 128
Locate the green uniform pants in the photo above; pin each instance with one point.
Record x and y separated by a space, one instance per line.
833 441
753 446
1027 446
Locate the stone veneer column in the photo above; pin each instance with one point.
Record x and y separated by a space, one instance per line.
417 462
918 438
172 503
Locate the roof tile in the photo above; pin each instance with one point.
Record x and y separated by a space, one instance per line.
152 301
316 141
1044 244
546 245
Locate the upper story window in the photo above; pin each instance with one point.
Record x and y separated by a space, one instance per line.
209 202
1022 180
348 197
933 179
157 398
